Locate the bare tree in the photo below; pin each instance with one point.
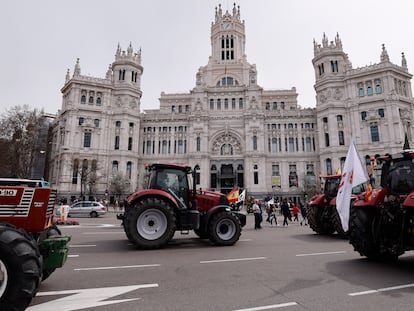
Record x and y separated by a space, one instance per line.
119 185
19 127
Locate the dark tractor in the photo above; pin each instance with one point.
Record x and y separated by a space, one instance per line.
381 224
153 215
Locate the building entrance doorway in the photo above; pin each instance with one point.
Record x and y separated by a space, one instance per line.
225 176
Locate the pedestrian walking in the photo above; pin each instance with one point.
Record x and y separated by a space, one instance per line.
295 211
304 214
257 215
285 212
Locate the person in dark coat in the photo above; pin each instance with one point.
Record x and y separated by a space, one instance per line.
285 212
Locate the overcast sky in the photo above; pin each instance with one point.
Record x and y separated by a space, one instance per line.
41 39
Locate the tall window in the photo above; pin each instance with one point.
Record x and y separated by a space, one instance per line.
87 137
374 133
198 144
334 66
96 122
327 144
255 175
164 148
369 90
75 171
361 92
291 144
240 103
129 169
81 120
83 99
116 142
274 145
308 144
293 177
381 112
149 147
211 104
129 143
341 138
254 142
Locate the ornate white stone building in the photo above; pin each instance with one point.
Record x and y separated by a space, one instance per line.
237 132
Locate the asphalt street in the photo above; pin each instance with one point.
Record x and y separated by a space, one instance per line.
275 268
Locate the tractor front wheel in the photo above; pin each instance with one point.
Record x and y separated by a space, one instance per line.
150 224
224 229
20 269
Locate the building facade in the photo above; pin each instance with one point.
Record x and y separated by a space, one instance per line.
237 132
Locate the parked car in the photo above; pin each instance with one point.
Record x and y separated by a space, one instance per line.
85 209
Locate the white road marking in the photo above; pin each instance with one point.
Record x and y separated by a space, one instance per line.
86 298
317 254
103 232
82 245
234 259
73 256
385 289
280 305
245 240
117 267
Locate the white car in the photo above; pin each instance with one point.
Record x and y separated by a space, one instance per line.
84 208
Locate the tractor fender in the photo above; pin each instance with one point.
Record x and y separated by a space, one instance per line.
161 194
409 200
205 219
319 199
375 199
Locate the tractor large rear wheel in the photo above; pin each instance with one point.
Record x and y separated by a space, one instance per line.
224 229
361 237
20 269
318 221
150 223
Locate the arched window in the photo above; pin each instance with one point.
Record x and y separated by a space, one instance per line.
254 142
114 167
98 101
378 89
83 99
328 166
361 92
369 90
341 138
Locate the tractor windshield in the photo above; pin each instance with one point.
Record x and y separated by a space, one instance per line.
331 186
398 176
171 180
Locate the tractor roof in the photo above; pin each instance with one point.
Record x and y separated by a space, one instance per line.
157 166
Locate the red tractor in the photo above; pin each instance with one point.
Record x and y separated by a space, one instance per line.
381 224
321 213
153 215
323 216
31 247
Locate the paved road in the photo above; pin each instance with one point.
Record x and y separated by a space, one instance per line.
274 268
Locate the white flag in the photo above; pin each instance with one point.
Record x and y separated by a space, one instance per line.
242 196
353 174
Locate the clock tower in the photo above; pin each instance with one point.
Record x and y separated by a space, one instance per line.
227 36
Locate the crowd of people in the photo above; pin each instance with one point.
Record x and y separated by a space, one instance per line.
291 212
